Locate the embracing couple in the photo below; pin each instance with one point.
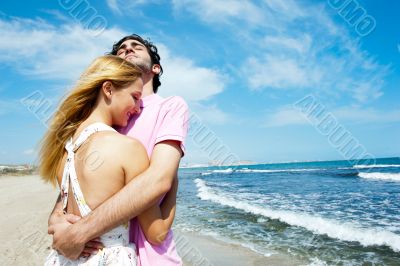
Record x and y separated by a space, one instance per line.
114 148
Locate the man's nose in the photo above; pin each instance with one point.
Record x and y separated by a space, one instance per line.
128 50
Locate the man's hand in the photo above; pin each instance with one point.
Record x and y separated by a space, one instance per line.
58 223
58 217
60 226
67 240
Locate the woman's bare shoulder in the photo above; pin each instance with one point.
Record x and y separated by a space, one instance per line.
115 143
127 152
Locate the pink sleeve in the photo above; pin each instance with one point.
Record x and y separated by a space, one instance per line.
174 125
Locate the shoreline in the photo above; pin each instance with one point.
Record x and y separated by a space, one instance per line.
28 201
196 249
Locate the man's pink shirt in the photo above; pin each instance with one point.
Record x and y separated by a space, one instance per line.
160 119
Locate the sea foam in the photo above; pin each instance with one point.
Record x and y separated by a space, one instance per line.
381 176
230 170
362 166
345 231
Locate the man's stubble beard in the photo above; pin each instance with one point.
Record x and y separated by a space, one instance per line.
143 65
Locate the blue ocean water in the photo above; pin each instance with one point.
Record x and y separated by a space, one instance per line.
320 213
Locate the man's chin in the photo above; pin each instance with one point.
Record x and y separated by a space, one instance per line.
131 60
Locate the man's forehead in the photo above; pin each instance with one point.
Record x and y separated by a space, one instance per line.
131 41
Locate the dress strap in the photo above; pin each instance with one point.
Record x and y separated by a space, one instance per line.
69 174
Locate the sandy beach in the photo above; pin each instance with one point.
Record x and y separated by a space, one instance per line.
26 203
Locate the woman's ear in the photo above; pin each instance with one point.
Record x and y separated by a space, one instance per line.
107 89
156 69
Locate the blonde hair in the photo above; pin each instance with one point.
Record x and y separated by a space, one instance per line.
78 105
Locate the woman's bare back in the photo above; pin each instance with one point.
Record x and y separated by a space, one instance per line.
101 167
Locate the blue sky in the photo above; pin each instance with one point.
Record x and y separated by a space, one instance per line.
240 65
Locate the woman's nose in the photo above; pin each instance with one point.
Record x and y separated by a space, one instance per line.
137 107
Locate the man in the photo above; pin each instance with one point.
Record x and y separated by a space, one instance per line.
161 127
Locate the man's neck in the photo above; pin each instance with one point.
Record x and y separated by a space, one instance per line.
147 91
147 87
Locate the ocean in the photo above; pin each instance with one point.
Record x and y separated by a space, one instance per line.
319 213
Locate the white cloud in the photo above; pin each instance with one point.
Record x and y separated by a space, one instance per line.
275 72
182 77
43 51
210 114
366 90
10 106
289 8
357 114
40 50
302 47
221 11
289 116
29 152
57 14
113 5
285 116
121 7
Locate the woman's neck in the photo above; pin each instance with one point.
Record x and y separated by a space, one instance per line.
97 116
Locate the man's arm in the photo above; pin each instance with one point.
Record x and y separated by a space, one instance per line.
138 195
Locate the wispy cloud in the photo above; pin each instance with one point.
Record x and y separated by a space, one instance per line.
210 114
284 116
289 116
45 52
301 44
10 106
28 152
182 77
222 11
113 5
120 7
276 72
357 114
301 47
58 15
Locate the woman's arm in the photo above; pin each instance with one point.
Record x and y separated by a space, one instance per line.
157 221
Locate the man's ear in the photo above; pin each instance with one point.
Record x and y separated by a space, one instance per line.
156 69
107 89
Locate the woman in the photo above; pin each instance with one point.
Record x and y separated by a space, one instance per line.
90 161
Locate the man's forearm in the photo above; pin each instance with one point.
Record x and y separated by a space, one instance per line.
138 195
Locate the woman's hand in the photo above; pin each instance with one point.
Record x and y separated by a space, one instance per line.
92 247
